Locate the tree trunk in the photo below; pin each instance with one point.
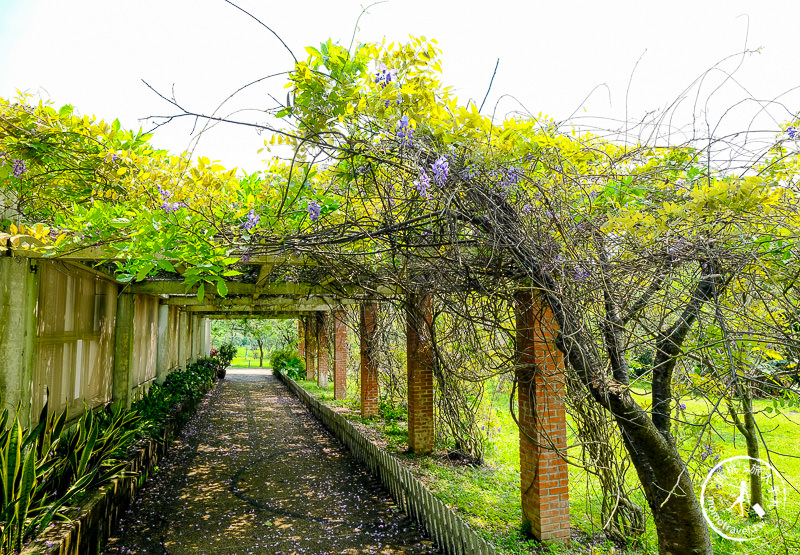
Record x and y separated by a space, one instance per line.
751 439
260 352
678 516
750 434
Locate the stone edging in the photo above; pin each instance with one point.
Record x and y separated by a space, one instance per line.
92 522
451 534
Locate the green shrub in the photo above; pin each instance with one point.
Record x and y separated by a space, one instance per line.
288 360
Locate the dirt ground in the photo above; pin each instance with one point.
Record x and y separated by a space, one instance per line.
254 472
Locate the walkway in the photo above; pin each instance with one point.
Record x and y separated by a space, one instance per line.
254 472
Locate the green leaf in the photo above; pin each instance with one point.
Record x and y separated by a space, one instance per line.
143 271
165 265
201 292
65 111
27 489
222 287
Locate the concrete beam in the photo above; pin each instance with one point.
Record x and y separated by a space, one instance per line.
288 315
176 287
264 301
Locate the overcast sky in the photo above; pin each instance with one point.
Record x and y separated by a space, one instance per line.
558 58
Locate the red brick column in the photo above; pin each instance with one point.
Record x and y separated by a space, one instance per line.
419 355
369 368
311 347
322 349
301 338
339 355
542 419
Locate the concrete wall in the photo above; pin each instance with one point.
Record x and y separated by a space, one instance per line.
74 338
74 343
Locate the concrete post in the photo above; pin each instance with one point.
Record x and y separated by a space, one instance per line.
311 347
206 337
301 338
369 366
339 355
419 361
323 355
193 350
539 370
123 351
162 356
19 295
183 339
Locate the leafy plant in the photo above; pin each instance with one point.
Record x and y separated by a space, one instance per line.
44 467
224 357
288 360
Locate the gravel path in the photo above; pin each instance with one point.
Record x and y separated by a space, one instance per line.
254 472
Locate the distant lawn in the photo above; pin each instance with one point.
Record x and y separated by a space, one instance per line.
250 361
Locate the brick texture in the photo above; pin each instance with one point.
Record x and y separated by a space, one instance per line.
419 355
311 348
542 418
323 355
339 355
369 368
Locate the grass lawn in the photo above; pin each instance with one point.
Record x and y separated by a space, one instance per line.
488 497
249 361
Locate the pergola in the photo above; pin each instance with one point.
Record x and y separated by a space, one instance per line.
264 293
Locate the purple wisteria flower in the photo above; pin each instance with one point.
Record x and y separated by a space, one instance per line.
791 131
527 209
314 210
384 75
511 177
441 170
252 220
166 205
19 167
423 184
581 274
405 132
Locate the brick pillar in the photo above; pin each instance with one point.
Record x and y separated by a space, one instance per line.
322 349
311 347
339 355
301 338
369 368
542 418
419 363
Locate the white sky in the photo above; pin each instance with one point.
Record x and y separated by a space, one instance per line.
93 54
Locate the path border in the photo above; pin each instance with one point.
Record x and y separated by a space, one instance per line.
452 535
